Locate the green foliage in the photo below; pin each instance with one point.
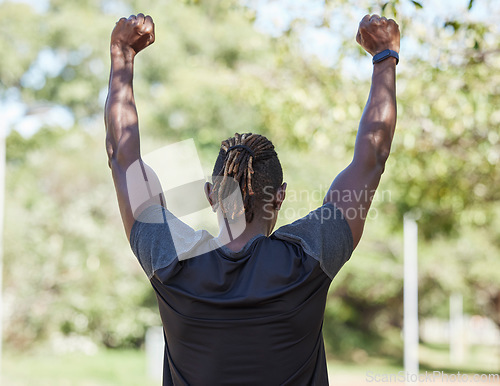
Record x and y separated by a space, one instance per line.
68 268
64 274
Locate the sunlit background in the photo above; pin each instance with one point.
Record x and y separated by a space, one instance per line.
77 305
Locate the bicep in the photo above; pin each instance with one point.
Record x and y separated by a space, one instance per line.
352 192
137 187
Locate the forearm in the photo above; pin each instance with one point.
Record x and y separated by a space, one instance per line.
121 120
378 122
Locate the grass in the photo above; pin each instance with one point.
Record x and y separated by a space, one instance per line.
478 360
106 368
128 367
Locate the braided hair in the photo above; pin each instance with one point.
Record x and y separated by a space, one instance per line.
250 160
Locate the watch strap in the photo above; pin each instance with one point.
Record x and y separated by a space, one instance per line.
384 55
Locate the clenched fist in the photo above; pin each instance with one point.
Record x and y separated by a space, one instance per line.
132 35
376 34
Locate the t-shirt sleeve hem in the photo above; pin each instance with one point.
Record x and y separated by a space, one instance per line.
134 234
315 233
346 228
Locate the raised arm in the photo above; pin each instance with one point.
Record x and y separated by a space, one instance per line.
128 38
353 189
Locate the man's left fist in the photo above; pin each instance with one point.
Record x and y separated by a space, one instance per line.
376 34
134 33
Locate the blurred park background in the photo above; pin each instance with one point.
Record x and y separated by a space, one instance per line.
76 304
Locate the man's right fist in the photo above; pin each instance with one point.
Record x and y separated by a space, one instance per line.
376 34
133 34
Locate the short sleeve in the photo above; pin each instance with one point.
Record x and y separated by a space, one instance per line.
324 234
151 240
159 239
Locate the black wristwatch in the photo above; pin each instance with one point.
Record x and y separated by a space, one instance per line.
384 55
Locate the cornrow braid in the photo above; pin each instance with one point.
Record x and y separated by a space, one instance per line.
249 159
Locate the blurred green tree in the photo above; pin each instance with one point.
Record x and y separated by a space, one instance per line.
68 268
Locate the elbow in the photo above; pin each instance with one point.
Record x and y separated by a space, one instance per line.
373 149
381 141
110 149
373 144
380 159
382 156
121 157
376 162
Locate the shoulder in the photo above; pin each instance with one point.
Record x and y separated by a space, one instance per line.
158 239
323 234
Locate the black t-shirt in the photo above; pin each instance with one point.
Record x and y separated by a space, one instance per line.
252 317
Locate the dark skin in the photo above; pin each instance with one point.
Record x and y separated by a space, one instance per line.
264 220
361 178
129 37
352 190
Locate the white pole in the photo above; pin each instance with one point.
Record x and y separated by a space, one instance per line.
2 198
155 347
456 329
410 324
